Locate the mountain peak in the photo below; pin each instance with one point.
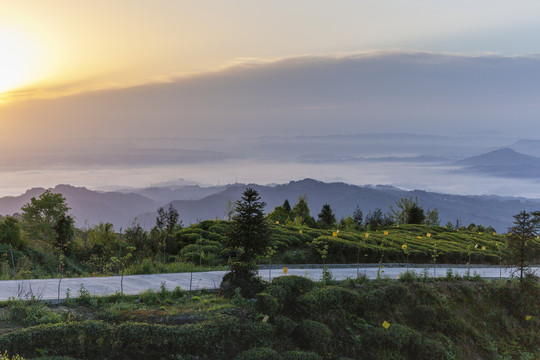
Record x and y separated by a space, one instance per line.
500 157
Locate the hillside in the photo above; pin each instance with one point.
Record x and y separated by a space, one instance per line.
301 245
485 210
293 318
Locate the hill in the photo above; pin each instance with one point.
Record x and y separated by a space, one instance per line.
301 245
529 147
500 157
343 198
87 205
196 203
503 163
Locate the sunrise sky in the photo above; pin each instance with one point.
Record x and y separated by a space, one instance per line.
214 69
56 47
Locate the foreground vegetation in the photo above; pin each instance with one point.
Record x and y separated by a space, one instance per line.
291 318
416 317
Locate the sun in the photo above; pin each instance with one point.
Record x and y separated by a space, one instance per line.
18 60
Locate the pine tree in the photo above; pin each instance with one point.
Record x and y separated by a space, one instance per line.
327 218
247 238
286 205
522 245
415 215
358 216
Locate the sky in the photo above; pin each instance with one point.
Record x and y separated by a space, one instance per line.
59 47
243 69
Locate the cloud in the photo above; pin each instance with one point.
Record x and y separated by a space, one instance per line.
340 93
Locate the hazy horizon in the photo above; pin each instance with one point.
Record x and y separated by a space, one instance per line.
361 159
360 92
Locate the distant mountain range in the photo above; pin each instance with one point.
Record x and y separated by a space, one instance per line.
196 203
504 162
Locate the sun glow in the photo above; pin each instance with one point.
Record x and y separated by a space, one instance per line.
19 60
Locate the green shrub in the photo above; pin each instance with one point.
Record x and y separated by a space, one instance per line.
431 348
149 297
423 316
97 340
85 297
284 326
300 355
323 299
287 289
397 339
259 353
267 304
32 313
395 293
313 335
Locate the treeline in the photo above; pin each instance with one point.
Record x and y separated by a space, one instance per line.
406 211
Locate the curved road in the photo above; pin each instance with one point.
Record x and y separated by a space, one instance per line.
47 289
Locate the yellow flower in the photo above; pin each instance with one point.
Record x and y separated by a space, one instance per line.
386 324
386 233
404 246
428 235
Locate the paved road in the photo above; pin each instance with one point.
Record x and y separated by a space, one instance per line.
47 289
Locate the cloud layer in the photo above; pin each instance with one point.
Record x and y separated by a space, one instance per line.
368 92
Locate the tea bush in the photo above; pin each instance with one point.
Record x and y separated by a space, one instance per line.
260 353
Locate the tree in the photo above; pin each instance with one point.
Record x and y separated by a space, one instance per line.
279 214
415 215
168 219
377 220
137 237
348 223
248 237
167 224
249 230
230 208
403 207
432 217
64 234
10 232
301 211
103 241
358 216
122 261
327 217
522 245
286 206
41 215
